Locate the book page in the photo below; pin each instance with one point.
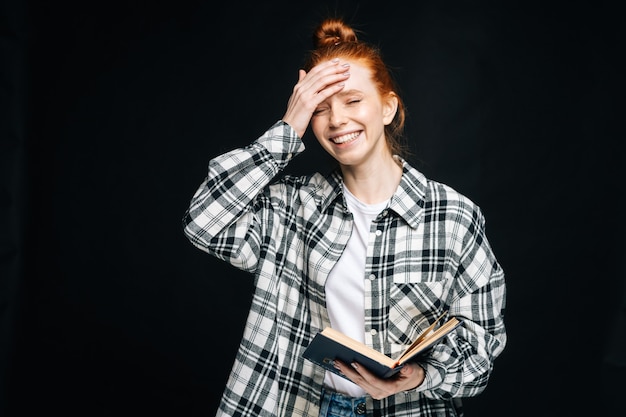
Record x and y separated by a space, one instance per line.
430 337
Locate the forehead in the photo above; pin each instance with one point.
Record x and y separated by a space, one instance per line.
360 77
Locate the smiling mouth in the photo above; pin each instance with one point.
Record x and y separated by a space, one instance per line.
345 138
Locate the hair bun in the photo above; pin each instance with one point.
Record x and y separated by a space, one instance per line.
331 32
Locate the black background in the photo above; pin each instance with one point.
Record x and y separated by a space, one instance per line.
111 111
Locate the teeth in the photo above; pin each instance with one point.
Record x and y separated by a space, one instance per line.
345 138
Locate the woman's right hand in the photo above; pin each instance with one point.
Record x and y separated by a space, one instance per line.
321 82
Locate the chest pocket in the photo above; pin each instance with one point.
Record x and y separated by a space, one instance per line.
410 306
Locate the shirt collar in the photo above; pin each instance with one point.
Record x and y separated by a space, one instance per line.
410 197
407 202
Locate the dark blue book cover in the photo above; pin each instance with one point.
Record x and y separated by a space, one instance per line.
323 350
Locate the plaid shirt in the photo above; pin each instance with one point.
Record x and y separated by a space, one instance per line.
427 253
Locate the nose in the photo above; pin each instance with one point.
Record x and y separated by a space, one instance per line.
337 117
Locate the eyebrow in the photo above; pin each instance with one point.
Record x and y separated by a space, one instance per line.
348 92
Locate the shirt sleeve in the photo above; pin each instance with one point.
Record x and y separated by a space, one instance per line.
461 367
225 217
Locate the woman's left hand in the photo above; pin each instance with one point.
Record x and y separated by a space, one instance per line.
410 377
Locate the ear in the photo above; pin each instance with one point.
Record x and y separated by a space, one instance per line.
390 107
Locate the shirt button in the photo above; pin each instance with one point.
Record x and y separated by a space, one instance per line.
384 213
379 232
372 277
373 332
360 409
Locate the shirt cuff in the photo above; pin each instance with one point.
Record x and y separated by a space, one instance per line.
433 377
282 142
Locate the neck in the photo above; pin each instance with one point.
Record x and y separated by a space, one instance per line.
375 182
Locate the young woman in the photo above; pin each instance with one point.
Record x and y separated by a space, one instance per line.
373 249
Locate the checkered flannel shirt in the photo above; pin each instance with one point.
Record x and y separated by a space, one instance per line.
427 253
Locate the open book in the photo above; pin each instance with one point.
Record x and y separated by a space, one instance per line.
330 344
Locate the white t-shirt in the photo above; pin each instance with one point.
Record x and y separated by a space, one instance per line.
344 286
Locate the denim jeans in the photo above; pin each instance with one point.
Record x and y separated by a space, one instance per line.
335 404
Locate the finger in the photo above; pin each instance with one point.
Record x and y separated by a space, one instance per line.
347 370
363 371
325 66
357 373
301 75
378 388
323 76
